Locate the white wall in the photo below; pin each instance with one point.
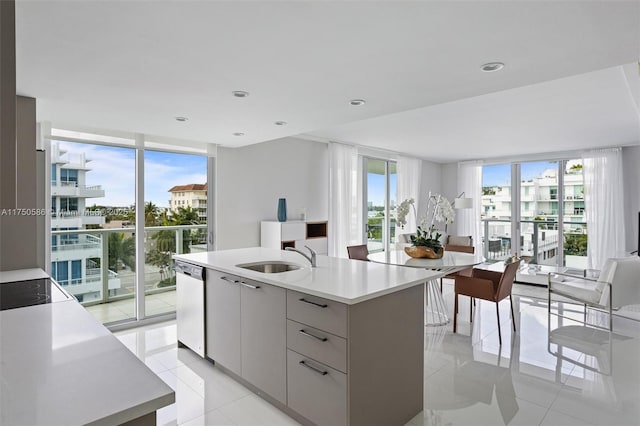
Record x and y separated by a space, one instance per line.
250 180
631 177
431 181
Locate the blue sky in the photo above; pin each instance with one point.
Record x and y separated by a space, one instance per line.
114 169
376 185
500 175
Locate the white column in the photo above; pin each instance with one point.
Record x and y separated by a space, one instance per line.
140 311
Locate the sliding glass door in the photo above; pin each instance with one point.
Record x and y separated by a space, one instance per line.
380 197
535 209
114 257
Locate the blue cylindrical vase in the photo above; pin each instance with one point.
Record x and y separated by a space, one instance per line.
282 210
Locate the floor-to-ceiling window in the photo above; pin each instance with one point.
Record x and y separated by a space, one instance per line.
548 220
95 224
175 188
92 204
380 197
496 211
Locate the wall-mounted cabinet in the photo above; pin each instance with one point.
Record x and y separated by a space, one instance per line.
296 234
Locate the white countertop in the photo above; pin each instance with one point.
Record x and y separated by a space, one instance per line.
59 366
22 274
342 280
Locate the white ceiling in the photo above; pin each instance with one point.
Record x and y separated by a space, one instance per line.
134 66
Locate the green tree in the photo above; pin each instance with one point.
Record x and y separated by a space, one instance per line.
488 190
151 214
184 216
166 239
121 249
575 244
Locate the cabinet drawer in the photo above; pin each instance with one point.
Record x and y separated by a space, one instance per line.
316 391
317 312
317 344
292 231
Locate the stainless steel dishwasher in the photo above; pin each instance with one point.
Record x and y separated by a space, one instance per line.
190 314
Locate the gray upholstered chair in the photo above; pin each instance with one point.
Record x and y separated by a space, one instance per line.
618 275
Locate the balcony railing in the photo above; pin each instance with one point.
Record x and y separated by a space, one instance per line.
538 240
108 260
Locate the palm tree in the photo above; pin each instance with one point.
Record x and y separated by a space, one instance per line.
185 216
166 239
121 249
151 214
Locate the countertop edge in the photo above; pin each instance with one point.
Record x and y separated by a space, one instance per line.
425 275
137 411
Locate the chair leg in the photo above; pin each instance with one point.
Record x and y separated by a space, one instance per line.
471 305
455 312
513 317
440 285
498 316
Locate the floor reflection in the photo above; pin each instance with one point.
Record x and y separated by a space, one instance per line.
569 376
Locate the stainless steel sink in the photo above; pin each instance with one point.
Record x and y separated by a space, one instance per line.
271 267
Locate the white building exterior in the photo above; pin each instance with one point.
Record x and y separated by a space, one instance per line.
193 195
539 201
75 257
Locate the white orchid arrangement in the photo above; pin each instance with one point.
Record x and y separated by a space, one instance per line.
438 209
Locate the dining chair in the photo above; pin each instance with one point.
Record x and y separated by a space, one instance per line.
487 285
358 252
462 244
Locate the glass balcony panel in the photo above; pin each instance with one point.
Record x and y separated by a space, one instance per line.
161 243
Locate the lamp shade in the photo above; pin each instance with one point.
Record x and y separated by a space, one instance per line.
463 203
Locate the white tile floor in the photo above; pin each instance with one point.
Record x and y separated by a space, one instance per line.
158 303
468 380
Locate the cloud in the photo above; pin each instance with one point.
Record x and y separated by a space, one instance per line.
114 169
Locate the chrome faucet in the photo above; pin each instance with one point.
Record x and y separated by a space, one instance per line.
311 258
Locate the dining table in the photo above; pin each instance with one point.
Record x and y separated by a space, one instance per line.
451 261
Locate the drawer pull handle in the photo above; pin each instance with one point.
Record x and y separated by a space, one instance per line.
319 305
317 370
255 287
322 339
231 280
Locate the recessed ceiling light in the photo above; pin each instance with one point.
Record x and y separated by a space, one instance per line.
357 102
238 134
181 118
240 93
280 123
492 66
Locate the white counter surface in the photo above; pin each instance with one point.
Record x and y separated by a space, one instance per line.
341 280
22 274
59 366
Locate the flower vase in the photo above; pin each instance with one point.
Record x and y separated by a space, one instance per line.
423 252
282 210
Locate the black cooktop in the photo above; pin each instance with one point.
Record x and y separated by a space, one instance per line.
18 294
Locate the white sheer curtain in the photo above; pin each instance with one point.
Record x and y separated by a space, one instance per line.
409 175
603 205
345 199
468 220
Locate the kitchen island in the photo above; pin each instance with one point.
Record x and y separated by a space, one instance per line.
59 366
338 344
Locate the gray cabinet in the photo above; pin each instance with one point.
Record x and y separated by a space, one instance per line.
223 319
357 364
247 330
316 391
264 337
331 363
